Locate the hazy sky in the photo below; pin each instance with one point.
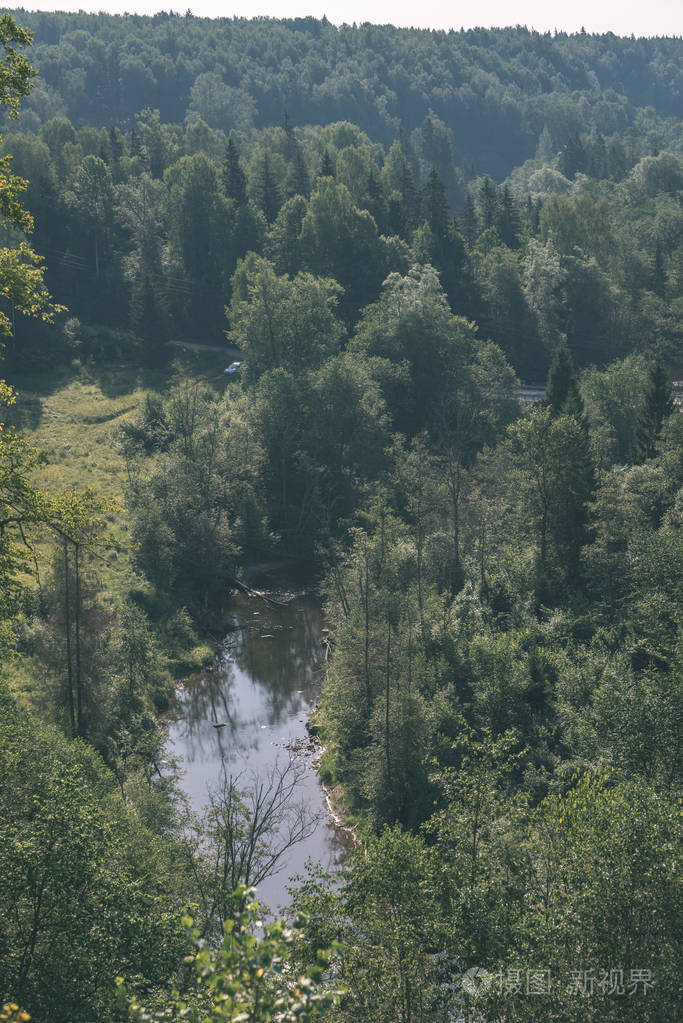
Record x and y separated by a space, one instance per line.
656 17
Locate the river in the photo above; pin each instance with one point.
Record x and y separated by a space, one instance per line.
262 688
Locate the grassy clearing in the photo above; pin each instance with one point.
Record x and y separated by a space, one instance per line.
73 416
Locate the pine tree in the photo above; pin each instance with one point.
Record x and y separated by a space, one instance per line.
658 405
234 178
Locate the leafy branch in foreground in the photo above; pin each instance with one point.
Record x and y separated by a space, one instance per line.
21 274
11 1013
248 979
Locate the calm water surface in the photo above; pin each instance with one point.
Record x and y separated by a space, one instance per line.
264 685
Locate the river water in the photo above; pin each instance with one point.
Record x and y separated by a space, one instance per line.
262 688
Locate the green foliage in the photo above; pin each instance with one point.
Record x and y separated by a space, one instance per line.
613 398
603 869
341 241
562 388
22 508
554 484
418 346
283 323
200 504
388 918
657 406
92 892
503 614
248 977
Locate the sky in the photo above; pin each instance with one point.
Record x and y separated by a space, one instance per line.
640 17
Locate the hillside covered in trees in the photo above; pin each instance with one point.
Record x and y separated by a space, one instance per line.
559 156
395 229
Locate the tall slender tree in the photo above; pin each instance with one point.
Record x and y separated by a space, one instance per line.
658 405
234 178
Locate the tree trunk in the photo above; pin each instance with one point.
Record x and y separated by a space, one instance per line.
456 483
387 733
79 679
366 608
67 627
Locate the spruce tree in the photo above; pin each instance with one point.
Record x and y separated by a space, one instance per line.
267 189
563 398
410 199
657 406
470 225
562 393
435 208
573 157
291 142
298 182
147 317
488 203
234 178
509 221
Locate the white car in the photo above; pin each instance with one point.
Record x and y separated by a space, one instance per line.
233 367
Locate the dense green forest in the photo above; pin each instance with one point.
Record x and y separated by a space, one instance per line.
395 229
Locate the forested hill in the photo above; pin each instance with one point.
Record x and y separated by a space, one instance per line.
495 89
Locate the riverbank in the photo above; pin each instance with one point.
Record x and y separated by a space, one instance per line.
279 575
334 796
247 718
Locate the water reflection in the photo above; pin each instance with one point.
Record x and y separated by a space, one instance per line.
250 710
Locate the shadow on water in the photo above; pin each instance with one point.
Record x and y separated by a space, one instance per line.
264 685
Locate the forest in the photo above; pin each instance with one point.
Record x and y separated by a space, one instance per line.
449 266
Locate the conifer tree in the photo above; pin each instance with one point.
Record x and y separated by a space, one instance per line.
410 199
326 168
573 158
267 189
563 399
470 226
288 129
298 182
658 405
509 223
488 203
234 178
562 393
147 318
435 208
658 273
